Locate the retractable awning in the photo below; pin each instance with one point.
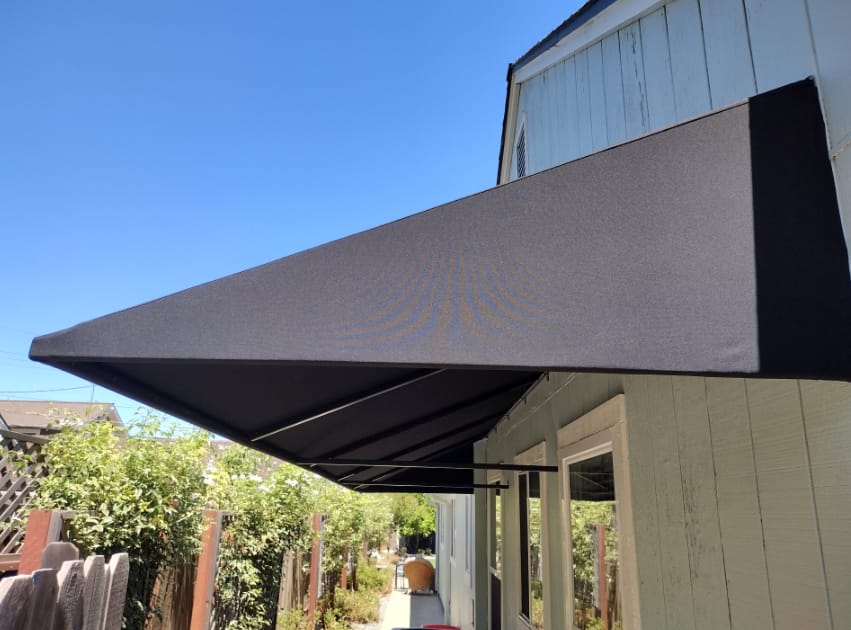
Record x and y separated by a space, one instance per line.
713 247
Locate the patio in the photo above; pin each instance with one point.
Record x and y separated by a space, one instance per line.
412 611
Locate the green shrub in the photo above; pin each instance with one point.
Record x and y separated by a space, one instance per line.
130 493
269 505
333 621
357 606
292 620
372 578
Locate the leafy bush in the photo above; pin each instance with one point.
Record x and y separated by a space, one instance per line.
130 493
269 505
360 606
292 620
133 490
372 578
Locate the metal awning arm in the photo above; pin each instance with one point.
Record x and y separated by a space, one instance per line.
448 486
391 463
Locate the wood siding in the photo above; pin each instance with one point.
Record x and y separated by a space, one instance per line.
683 60
741 495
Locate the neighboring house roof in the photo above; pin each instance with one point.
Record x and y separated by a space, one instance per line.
31 416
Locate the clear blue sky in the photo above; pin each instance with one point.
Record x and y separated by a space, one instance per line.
149 146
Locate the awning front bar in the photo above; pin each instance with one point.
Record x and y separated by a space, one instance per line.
378 463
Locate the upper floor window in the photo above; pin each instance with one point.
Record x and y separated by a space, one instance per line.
520 151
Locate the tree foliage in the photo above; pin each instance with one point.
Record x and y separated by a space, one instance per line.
412 516
134 490
268 506
129 493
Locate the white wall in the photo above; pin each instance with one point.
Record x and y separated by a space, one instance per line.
741 496
455 562
682 60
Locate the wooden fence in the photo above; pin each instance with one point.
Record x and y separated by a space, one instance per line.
291 590
18 480
66 593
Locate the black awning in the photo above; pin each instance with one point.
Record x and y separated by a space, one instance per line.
713 247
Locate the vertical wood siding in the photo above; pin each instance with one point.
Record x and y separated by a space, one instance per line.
741 492
684 59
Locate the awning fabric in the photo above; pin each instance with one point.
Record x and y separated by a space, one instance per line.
712 247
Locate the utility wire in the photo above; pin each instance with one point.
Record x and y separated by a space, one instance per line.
41 391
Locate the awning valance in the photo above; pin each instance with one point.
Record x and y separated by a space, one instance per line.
712 247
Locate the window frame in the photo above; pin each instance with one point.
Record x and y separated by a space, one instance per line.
602 430
521 135
531 456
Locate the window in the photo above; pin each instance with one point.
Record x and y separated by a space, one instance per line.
520 151
452 530
495 531
600 567
593 540
531 552
495 556
468 534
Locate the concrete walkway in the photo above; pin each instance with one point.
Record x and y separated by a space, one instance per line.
411 611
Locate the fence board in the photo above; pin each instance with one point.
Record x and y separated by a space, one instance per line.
69 601
42 602
14 593
94 570
55 554
119 567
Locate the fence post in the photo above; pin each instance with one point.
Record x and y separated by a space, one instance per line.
285 589
43 527
313 588
603 580
205 578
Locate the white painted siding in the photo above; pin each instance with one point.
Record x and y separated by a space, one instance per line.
741 495
684 59
454 578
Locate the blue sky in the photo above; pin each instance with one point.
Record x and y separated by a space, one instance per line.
146 147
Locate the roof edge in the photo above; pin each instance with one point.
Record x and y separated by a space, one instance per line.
587 11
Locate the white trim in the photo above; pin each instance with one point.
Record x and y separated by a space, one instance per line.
510 128
610 19
592 446
603 430
521 132
533 456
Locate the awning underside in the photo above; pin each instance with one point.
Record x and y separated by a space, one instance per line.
713 247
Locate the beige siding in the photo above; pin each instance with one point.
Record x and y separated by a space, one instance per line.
827 415
681 61
738 504
741 495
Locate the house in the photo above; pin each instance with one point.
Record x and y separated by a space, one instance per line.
623 373
733 495
37 417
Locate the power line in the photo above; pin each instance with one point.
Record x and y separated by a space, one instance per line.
41 391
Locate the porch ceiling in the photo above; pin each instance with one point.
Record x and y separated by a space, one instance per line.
712 247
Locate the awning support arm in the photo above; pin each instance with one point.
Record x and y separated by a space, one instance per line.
383 463
448 486
291 424
419 421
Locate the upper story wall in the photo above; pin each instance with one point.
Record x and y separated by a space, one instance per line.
617 77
